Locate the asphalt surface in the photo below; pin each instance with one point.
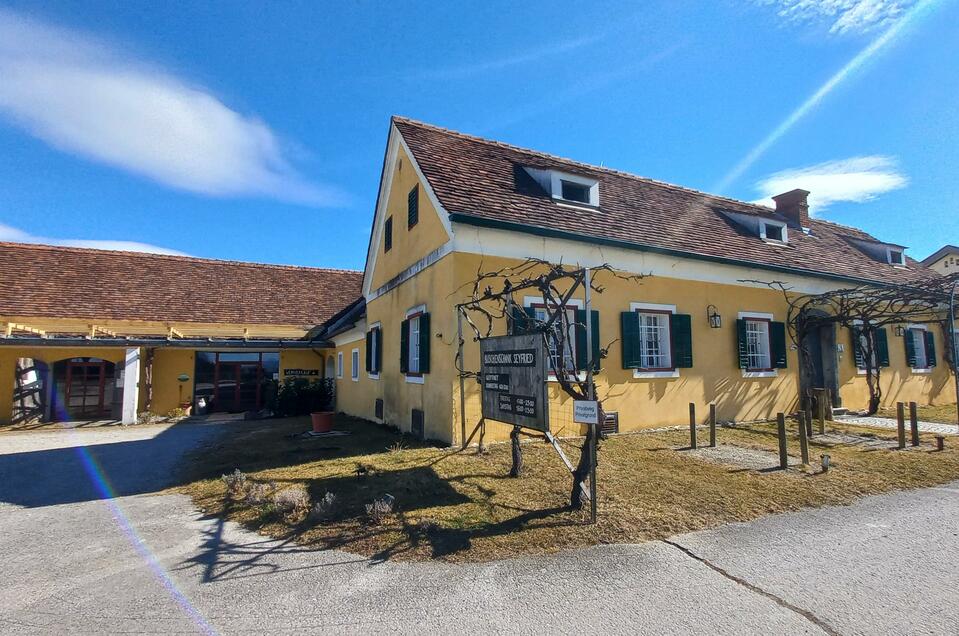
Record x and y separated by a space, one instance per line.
73 560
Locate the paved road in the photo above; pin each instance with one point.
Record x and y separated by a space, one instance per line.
74 562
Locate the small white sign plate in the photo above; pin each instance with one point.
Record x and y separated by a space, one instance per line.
586 411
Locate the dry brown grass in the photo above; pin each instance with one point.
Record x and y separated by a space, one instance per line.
944 413
463 507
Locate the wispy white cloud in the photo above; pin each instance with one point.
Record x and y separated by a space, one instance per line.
843 16
12 234
853 180
95 100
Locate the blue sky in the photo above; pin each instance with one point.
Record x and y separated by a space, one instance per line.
256 131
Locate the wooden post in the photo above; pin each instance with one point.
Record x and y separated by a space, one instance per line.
901 423
692 426
803 438
808 419
914 423
517 468
823 396
781 426
712 426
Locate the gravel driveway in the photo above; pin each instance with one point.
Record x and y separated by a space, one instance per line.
72 561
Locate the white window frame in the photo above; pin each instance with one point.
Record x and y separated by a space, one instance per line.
902 256
571 304
652 375
413 377
375 325
763 233
768 318
355 365
910 330
556 183
339 365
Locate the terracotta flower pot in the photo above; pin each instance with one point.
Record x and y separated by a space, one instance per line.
322 422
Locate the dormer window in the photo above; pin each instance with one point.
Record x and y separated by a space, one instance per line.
772 231
895 257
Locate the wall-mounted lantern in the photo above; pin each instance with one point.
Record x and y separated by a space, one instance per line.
900 332
712 314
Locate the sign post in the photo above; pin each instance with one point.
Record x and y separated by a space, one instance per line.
591 394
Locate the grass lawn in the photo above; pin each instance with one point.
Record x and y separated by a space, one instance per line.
463 507
945 413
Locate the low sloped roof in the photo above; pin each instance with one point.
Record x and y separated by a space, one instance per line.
69 282
485 180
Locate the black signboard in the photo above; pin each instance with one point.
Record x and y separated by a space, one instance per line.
513 375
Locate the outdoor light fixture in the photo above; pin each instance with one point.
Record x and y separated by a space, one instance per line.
712 314
899 331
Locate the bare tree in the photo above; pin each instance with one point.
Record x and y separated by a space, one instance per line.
866 309
492 301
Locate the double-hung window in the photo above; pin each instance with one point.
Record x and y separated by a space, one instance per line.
415 344
762 344
757 345
920 348
655 352
339 365
562 348
414 363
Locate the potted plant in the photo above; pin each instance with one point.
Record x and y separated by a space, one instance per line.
320 399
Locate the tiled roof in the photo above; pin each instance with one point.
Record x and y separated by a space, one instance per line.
68 282
481 178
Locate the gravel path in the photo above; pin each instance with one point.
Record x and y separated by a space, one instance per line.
889 422
74 562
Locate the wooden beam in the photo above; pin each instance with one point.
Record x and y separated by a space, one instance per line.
174 333
94 330
13 326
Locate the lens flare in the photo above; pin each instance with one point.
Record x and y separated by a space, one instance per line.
892 34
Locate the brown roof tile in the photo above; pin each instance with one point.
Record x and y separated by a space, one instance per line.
69 282
483 178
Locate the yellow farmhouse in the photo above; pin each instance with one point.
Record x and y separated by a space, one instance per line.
451 205
151 333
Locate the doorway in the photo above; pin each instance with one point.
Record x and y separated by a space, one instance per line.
819 362
236 382
84 388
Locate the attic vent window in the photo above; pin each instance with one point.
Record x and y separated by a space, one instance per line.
771 231
896 257
572 191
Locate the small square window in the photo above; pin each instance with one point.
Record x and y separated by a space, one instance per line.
896 257
573 191
388 235
774 232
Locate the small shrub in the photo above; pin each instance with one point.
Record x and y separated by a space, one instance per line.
326 508
259 494
292 503
381 509
235 482
397 446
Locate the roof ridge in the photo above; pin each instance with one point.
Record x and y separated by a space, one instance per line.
546 155
179 257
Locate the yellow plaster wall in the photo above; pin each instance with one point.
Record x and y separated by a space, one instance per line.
408 245
168 392
430 287
301 359
898 381
641 403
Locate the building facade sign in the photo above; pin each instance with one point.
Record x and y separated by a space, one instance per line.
513 376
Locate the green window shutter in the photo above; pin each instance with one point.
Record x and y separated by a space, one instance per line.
425 343
681 340
741 340
388 235
629 337
580 332
378 338
910 348
369 351
777 344
404 346
882 346
930 349
522 320
859 356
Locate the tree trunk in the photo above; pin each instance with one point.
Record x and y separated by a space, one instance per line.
517 469
581 474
